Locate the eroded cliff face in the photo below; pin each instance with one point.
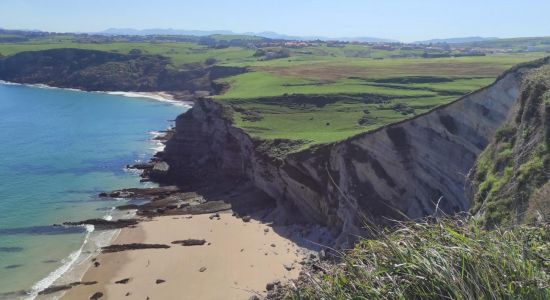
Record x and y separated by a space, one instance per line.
406 169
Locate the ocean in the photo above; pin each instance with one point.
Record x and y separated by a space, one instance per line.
58 150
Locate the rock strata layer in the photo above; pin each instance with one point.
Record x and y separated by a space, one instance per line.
411 168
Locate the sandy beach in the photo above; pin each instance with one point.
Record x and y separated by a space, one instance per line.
236 262
159 96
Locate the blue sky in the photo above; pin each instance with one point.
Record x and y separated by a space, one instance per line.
398 19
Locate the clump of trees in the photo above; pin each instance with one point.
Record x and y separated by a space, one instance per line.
272 53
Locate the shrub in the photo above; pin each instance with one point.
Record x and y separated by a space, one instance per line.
445 259
210 61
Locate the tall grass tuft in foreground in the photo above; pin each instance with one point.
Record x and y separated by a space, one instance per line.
440 259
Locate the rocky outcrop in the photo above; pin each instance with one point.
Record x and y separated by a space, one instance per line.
408 169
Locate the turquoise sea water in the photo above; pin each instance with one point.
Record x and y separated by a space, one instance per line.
58 150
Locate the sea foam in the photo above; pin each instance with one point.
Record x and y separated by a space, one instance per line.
66 266
153 96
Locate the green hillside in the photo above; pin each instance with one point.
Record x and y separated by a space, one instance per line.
314 92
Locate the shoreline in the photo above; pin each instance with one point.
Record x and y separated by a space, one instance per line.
161 96
72 269
237 260
275 257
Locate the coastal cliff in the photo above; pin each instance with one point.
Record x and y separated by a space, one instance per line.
93 70
410 169
413 168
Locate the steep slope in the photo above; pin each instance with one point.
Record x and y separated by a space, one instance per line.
408 168
510 179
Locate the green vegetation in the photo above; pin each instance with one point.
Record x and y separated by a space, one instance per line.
368 85
181 53
501 252
510 174
364 92
515 44
297 95
438 259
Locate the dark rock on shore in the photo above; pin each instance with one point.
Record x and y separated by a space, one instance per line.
190 242
272 285
96 296
127 207
135 246
207 208
121 194
101 224
151 210
159 281
123 281
64 287
141 192
143 166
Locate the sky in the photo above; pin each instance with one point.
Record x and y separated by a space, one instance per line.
405 20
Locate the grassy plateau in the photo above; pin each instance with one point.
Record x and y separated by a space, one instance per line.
318 92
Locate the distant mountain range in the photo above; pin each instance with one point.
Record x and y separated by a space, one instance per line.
272 35
265 34
168 31
461 40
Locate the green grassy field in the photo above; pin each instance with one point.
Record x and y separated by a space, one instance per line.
362 88
181 53
364 93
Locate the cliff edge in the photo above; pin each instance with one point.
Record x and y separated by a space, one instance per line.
409 169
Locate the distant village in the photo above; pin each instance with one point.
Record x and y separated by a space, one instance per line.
429 50
278 48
